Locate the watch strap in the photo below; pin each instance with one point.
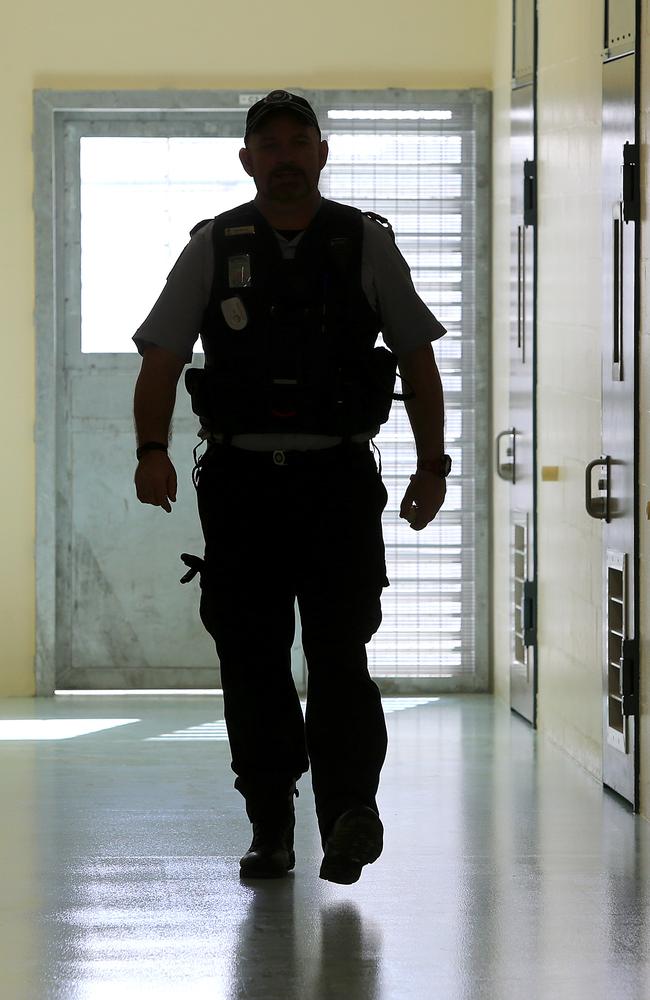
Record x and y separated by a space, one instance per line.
149 446
438 466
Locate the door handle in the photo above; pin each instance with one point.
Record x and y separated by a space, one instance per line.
617 295
630 183
506 470
598 507
522 343
529 613
530 192
519 270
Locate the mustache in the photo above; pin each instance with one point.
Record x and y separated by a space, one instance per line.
284 171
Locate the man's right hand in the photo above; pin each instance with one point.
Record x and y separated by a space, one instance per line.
155 480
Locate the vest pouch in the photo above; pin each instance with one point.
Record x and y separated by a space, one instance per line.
384 373
197 383
369 384
223 402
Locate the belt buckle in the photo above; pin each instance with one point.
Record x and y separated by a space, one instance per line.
279 457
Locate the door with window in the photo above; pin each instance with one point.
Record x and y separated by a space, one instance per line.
612 478
127 187
516 459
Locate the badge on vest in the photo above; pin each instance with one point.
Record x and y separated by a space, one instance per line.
234 313
239 231
239 271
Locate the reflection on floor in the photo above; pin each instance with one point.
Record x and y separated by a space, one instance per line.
507 872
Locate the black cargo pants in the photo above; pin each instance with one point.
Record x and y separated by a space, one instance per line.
276 526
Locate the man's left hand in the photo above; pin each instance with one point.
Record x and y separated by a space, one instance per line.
423 499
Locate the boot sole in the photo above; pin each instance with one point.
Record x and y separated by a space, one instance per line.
357 839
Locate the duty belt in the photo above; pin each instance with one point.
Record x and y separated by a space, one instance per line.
288 457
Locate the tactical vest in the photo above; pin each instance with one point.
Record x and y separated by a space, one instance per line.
289 344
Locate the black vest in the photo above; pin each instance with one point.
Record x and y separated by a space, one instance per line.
289 344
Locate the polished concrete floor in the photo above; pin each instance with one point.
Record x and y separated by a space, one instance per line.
507 873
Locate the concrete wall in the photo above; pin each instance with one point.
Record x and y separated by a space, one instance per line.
73 45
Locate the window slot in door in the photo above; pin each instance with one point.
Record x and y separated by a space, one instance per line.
615 643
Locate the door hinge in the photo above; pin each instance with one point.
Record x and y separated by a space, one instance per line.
530 616
628 675
630 183
530 192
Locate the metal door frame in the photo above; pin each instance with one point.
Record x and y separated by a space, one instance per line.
52 109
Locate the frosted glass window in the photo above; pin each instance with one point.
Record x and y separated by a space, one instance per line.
139 199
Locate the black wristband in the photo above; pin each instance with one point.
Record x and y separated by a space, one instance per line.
150 446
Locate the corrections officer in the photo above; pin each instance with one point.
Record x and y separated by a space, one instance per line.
289 293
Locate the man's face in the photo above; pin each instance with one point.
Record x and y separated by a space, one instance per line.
284 157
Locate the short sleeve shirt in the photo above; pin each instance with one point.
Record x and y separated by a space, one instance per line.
175 321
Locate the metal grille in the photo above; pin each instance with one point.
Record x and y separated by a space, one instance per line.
616 635
415 162
519 575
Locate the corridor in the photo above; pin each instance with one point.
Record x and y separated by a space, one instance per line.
507 872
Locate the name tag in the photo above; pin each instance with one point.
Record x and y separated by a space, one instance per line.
240 231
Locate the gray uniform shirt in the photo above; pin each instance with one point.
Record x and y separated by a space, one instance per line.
406 322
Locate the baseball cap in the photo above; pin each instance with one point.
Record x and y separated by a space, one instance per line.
279 100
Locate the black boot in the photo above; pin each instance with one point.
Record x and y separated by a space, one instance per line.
271 811
355 840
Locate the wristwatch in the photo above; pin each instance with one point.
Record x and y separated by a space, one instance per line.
439 466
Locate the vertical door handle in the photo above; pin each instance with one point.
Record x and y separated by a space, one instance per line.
519 270
530 211
523 296
530 192
617 295
630 183
530 623
506 470
598 507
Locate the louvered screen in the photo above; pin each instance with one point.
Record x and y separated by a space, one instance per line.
416 164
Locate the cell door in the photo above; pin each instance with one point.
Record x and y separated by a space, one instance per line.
516 445
611 486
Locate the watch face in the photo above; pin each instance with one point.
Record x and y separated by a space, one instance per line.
446 465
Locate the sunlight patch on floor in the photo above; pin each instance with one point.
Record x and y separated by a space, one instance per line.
56 729
210 732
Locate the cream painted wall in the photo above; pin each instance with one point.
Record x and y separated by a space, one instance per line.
569 380
75 45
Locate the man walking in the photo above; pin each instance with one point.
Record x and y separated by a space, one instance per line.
289 293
